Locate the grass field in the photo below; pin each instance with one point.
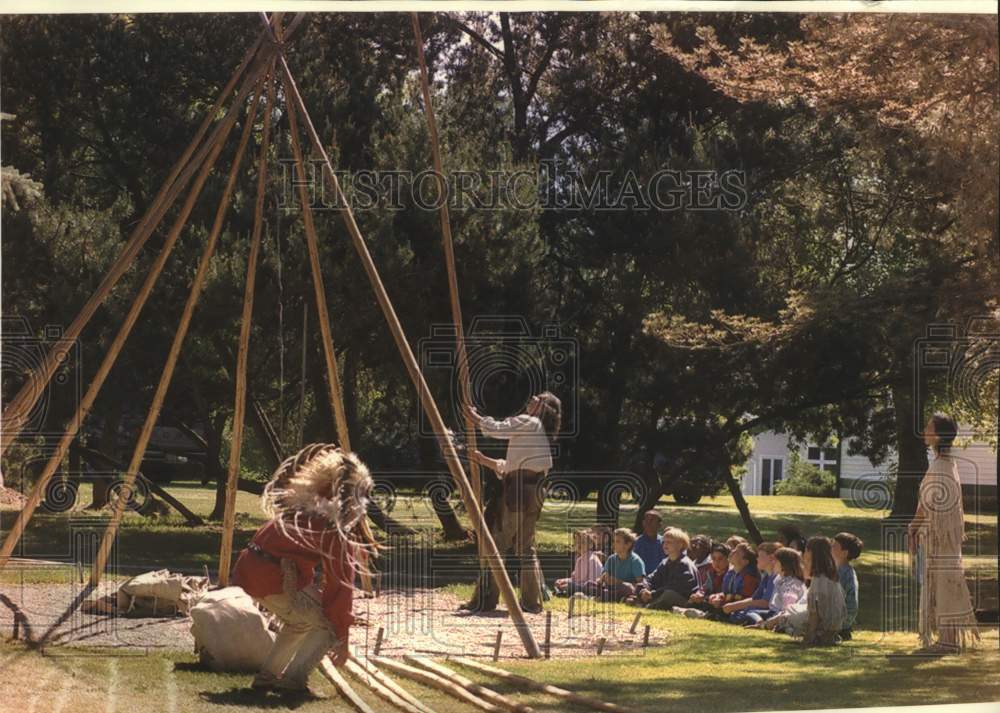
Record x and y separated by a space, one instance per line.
704 665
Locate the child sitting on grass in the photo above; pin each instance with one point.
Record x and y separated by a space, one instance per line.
587 567
755 608
649 545
847 547
740 582
715 577
822 617
698 552
789 586
672 583
623 571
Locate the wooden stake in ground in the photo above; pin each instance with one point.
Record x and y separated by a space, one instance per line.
388 683
434 681
548 634
468 684
73 426
243 350
495 562
645 637
635 622
528 683
496 645
334 676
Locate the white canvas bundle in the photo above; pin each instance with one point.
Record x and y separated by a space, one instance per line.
160 593
230 633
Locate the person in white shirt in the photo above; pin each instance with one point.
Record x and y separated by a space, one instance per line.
529 439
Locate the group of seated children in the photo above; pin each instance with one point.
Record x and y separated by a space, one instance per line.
806 588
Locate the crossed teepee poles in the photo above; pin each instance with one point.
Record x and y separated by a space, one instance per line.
263 64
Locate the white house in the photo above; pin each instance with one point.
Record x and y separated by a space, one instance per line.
770 459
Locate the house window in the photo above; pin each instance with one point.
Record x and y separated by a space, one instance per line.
771 471
826 458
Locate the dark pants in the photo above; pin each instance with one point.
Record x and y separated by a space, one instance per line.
667 599
520 506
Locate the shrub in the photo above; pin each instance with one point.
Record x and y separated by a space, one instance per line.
807 479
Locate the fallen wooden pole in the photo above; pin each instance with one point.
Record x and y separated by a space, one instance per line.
490 552
468 684
334 676
434 681
376 687
523 682
369 668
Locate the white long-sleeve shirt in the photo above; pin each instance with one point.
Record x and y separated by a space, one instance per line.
527 444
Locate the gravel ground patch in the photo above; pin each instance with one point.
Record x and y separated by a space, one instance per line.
424 621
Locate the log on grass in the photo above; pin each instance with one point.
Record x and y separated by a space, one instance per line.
434 681
468 684
387 682
334 676
377 688
523 682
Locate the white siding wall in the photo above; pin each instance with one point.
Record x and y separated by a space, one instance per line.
977 463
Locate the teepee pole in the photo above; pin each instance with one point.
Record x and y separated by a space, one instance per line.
495 562
15 414
242 355
214 146
449 261
322 313
118 508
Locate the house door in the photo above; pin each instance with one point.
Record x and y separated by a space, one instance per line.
772 470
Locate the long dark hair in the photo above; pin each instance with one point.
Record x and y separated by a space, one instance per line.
550 414
822 558
946 430
791 563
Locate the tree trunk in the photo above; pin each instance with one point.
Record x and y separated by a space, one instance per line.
744 508
108 444
910 448
212 461
453 529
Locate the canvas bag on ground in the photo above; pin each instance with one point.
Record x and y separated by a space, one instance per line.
160 593
230 633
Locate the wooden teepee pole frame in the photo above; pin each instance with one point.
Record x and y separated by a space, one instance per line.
163 386
16 412
449 260
239 407
211 151
494 561
322 313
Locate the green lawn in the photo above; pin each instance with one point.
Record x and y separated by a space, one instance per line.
705 665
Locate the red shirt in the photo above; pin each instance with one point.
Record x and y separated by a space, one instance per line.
262 578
